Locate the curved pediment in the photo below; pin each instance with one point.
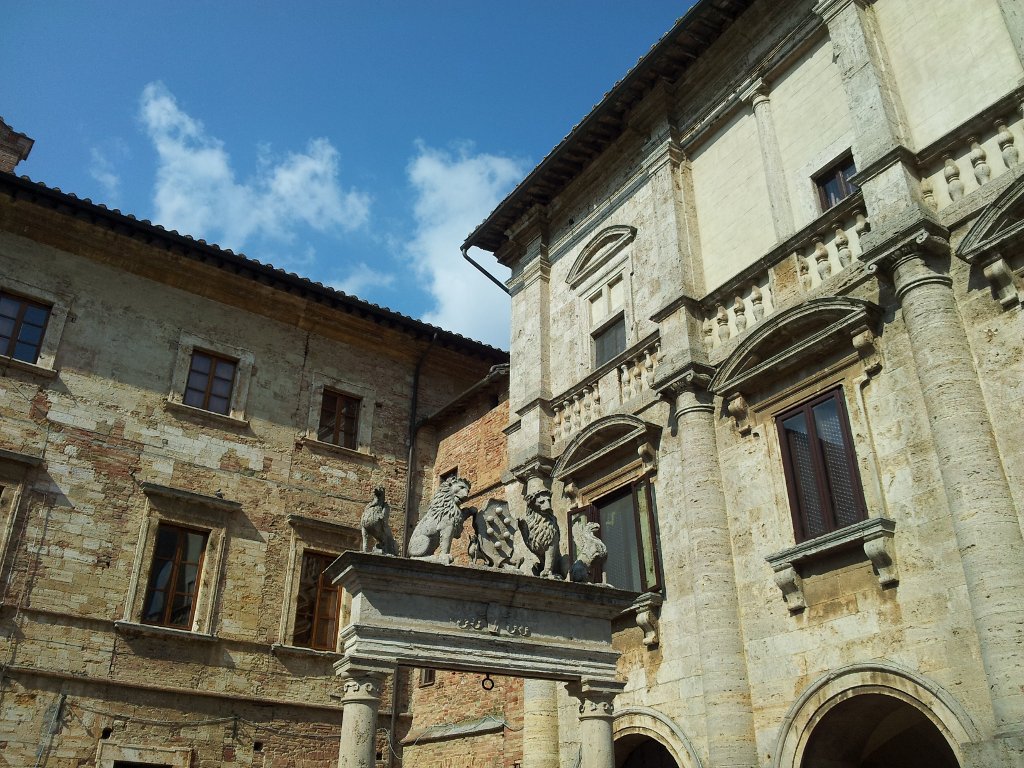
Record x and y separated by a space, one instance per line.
1003 221
793 337
603 247
602 440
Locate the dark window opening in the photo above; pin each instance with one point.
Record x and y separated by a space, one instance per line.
174 577
22 325
825 493
210 381
834 185
610 342
317 605
427 677
339 420
627 528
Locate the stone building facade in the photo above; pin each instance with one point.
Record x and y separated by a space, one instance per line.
766 333
187 438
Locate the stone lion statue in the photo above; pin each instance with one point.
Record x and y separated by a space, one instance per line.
374 523
590 550
442 523
539 529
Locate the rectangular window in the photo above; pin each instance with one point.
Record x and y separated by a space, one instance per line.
210 381
627 528
22 326
318 604
834 185
427 677
825 492
610 342
339 420
174 576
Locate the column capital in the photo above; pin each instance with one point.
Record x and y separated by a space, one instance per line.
596 697
908 259
755 93
829 9
687 388
361 681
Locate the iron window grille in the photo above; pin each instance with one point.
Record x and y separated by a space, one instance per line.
825 491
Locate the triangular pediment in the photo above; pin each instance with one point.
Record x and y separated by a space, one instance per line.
1002 222
601 249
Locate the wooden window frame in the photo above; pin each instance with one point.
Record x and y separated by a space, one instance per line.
835 172
171 593
24 304
317 614
592 514
821 484
214 358
351 439
427 677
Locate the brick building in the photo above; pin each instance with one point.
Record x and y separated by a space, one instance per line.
187 438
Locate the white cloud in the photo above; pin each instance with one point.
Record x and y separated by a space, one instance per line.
455 190
197 193
102 171
362 278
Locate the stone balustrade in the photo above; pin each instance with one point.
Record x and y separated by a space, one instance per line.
983 150
636 372
831 249
575 410
737 310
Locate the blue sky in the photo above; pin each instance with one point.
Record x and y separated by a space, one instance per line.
356 144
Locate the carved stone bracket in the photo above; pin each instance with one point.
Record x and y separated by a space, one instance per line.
866 343
737 407
874 535
1005 284
648 610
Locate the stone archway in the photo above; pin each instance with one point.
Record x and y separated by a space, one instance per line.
871 705
642 752
635 726
876 730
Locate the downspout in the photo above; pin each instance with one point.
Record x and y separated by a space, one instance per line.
484 272
409 480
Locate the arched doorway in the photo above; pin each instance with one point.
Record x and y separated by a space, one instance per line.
875 731
642 752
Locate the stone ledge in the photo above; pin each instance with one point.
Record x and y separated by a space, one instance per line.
202 414
153 630
20 365
875 535
318 446
281 649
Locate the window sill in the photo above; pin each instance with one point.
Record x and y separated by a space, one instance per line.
154 630
202 414
317 446
280 649
7 363
874 535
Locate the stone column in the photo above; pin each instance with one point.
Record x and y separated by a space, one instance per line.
775 175
1013 15
597 743
360 701
985 522
730 722
540 724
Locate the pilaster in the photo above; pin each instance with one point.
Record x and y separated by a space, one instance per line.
778 191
